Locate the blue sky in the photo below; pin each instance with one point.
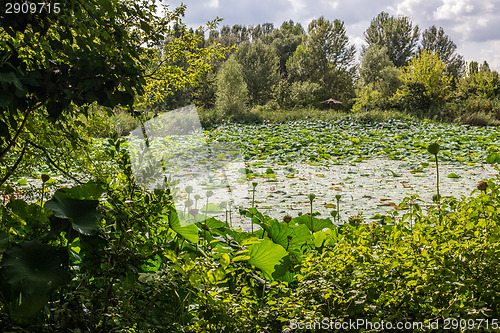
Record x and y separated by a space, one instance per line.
473 25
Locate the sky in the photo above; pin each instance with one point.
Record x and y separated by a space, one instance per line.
474 25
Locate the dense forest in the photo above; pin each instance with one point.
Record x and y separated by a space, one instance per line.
399 68
86 247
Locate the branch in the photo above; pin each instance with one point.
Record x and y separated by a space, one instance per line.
54 163
19 130
14 167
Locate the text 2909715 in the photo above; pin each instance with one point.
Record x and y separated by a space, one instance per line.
31 7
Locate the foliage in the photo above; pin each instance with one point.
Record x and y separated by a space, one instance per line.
179 61
304 93
367 99
117 258
329 45
232 92
347 140
259 64
55 65
397 34
326 58
377 71
434 39
416 269
285 41
425 82
482 83
100 253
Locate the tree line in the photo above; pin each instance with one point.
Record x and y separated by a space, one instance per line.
399 67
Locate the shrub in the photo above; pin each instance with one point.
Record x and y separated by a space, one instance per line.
232 93
367 100
305 93
425 83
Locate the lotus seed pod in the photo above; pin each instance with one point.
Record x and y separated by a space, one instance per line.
482 186
436 197
189 189
194 212
254 184
312 196
287 219
45 178
209 194
337 196
433 148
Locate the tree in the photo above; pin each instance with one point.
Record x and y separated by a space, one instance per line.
424 79
378 72
379 79
436 40
397 34
285 41
327 58
232 93
259 65
329 45
178 65
104 52
480 82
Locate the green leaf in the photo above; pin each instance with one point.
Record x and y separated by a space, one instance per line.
317 224
29 273
224 260
290 238
493 158
11 78
55 109
324 238
81 213
87 191
269 258
190 231
5 99
453 175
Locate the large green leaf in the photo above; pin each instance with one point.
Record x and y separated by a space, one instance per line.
317 224
29 273
190 231
87 191
257 217
291 238
81 213
270 258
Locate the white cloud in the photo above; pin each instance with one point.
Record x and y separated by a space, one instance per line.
477 51
297 5
451 9
212 4
407 7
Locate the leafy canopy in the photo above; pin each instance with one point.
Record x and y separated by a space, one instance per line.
428 71
395 33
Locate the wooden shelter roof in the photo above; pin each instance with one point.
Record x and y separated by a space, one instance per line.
331 100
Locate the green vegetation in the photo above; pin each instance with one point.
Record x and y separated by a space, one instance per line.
84 247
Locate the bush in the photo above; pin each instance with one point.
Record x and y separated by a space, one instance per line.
367 100
232 92
305 93
474 111
103 123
